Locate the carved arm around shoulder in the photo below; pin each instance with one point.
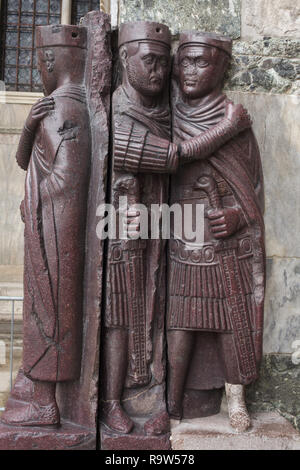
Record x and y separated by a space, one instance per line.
235 121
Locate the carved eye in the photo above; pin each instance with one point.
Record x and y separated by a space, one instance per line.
164 61
201 63
185 62
148 59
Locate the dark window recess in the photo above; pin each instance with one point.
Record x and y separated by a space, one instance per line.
18 68
81 7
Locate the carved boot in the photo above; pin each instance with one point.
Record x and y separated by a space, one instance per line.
238 414
31 414
31 404
159 424
115 418
174 409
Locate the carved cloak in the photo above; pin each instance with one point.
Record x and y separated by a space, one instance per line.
55 212
153 190
238 163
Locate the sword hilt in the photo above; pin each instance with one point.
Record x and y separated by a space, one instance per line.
207 184
128 186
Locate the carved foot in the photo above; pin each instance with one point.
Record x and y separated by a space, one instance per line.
115 418
159 424
174 410
31 414
238 414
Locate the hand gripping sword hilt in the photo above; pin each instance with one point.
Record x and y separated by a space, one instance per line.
207 184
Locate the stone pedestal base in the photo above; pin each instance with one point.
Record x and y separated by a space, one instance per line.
136 440
269 431
67 437
202 403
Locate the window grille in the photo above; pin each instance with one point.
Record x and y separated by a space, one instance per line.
81 7
18 22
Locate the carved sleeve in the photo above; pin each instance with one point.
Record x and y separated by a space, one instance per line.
205 144
25 148
140 151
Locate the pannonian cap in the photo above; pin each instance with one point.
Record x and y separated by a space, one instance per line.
61 35
144 31
207 39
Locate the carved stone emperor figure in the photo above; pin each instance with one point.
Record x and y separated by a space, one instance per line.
134 316
143 154
54 149
216 293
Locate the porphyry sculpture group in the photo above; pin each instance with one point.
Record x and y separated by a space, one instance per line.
174 324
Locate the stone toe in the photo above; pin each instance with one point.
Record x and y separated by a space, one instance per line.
159 424
115 418
240 420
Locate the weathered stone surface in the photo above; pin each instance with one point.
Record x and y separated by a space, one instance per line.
67 437
268 46
278 387
78 397
270 18
269 432
275 123
282 305
206 15
268 65
136 440
84 392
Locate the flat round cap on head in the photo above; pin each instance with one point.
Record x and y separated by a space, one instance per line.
189 38
144 31
61 35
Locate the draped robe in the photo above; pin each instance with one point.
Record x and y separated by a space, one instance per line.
151 284
55 210
197 298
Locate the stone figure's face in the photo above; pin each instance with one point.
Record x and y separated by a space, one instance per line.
148 67
45 65
201 70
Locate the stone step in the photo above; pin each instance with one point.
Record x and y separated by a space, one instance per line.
269 431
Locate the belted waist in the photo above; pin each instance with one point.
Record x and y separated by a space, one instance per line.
123 250
208 253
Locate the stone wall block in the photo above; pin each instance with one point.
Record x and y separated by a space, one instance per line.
275 18
203 15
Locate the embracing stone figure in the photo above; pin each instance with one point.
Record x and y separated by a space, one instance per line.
54 149
213 295
143 155
216 293
134 370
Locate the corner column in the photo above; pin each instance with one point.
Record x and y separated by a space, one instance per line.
66 6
